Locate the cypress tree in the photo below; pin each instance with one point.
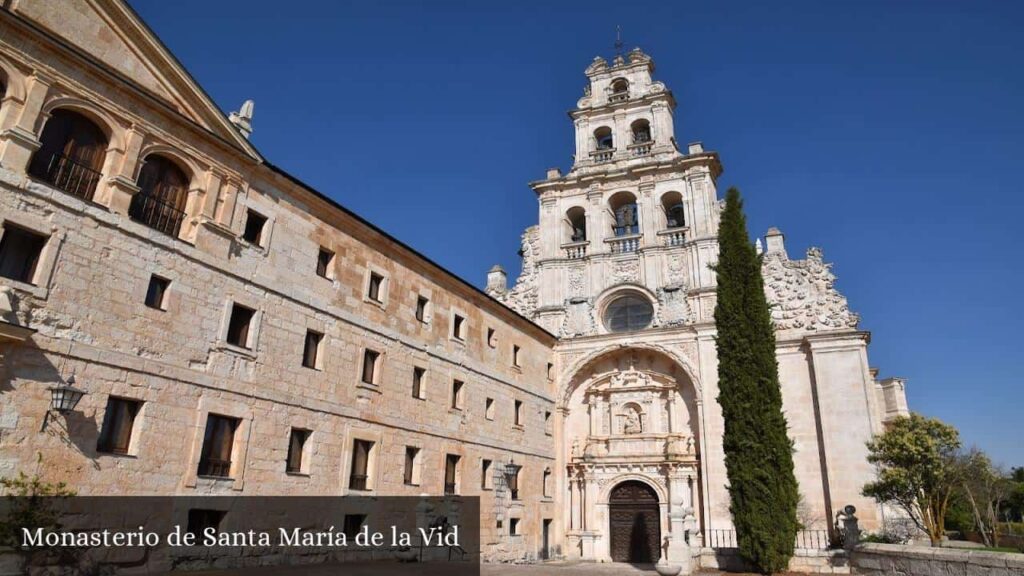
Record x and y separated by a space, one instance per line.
758 452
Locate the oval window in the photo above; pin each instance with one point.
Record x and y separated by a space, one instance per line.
628 313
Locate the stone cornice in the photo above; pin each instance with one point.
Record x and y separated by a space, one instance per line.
682 163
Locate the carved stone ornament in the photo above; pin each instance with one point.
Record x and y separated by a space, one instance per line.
523 296
802 294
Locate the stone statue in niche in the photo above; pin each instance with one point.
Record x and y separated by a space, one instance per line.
632 422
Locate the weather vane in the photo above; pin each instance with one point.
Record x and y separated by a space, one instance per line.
618 40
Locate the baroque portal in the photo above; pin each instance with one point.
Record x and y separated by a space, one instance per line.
634 460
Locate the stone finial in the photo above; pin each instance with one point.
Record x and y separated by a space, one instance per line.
758 247
497 280
554 173
774 241
243 118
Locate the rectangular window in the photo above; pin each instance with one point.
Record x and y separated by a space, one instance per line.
492 341
451 473
457 386
519 413
239 325
513 526
417 383
359 475
421 308
485 474
118 421
515 356
458 327
411 475
513 485
546 484
547 423
551 371
218 443
374 290
19 253
489 409
254 225
296 446
311 349
353 523
370 359
324 263
156 294
200 519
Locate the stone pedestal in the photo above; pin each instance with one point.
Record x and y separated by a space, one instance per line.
589 541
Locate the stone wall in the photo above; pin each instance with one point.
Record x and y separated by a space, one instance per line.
887 559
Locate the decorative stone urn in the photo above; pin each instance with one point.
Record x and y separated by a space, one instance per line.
666 569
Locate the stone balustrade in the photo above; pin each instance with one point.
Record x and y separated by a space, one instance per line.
673 236
576 250
624 244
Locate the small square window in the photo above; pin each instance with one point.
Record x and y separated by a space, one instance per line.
492 340
20 250
218 445
156 294
418 388
325 263
515 356
370 372
412 460
485 474
489 409
296 446
353 523
240 326
513 526
458 327
118 422
254 225
421 308
200 520
311 349
519 413
451 473
457 386
375 289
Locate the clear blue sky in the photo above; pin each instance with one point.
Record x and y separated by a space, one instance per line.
888 133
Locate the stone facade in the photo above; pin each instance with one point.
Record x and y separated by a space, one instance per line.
195 300
629 235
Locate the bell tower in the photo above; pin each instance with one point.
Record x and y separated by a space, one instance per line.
625 238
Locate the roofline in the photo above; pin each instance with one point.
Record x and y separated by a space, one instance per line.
416 253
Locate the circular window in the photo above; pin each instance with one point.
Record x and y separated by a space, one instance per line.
628 313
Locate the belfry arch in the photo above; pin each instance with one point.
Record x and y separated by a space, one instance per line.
632 416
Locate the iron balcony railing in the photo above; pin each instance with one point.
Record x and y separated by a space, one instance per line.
158 215
357 481
68 175
215 467
805 539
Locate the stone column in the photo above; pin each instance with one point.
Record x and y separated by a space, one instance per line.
576 504
678 550
19 142
121 187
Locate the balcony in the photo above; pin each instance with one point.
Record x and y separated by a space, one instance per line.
673 237
603 155
66 174
624 244
576 250
640 149
152 212
618 97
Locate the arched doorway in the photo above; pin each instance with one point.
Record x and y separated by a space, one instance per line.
634 523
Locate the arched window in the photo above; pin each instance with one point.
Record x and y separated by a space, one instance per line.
71 155
628 313
163 192
641 131
624 209
675 211
603 138
577 220
620 90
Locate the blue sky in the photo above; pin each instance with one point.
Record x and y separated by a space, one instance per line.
888 133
